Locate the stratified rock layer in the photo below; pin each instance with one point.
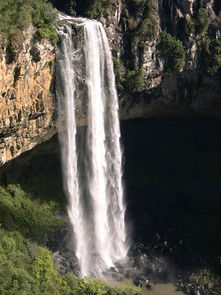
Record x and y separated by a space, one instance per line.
26 101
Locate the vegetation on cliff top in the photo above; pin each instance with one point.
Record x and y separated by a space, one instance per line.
17 15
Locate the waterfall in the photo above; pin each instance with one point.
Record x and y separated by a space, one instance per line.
97 214
65 91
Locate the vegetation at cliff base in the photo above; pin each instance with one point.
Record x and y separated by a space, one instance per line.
32 205
16 15
26 268
32 217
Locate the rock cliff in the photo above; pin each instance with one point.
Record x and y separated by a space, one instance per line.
167 62
26 97
176 76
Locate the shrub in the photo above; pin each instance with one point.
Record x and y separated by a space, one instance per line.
89 286
198 24
148 28
14 261
211 50
68 6
134 80
119 73
26 270
45 273
85 286
129 290
19 14
189 26
202 21
32 217
96 8
173 52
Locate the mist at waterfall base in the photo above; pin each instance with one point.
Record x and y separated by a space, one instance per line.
92 160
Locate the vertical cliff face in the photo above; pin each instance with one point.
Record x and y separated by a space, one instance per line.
167 56
167 63
26 100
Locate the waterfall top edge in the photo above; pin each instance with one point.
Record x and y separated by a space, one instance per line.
79 21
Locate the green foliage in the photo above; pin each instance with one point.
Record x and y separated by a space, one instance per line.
68 6
89 286
202 21
19 14
26 269
86 286
128 290
31 217
119 73
14 258
47 32
173 51
44 272
96 8
198 24
189 26
130 80
149 26
143 26
148 29
89 8
212 55
27 212
134 80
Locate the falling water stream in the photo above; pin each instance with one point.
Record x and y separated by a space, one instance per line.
99 228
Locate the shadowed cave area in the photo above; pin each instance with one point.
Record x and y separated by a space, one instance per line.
173 184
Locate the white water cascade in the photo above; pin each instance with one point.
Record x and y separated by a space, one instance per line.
97 213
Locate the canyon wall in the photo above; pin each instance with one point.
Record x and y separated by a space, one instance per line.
26 95
173 74
181 80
